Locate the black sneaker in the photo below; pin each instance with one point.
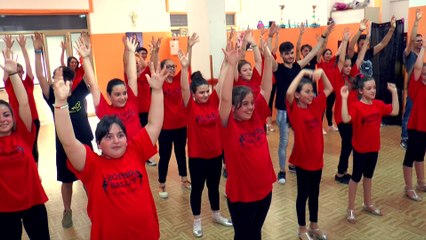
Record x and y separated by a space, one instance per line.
281 177
343 179
291 168
403 144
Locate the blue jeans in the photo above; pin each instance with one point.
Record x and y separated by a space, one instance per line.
405 117
283 126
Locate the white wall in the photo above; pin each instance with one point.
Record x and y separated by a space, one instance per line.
399 9
45 4
417 3
269 10
113 16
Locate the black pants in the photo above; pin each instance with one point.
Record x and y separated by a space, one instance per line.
416 147
248 218
271 98
329 110
364 165
171 138
345 131
205 171
35 146
34 220
308 185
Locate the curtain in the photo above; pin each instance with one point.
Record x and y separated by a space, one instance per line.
387 65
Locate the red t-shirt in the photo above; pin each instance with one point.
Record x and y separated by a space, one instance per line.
120 202
20 186
329 70
417 93
174 109
203 128
366 119
29 88
308 146
144 92
248 162
78 77
128 114
339 82
253 84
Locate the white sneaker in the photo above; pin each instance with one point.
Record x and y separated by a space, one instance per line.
333 128
196 229
162 192
222 221
324 132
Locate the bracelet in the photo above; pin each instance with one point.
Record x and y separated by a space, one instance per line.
10 74
38 51
360 30
323 36
253 45
65 106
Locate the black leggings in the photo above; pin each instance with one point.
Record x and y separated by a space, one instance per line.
171 138
34 220
205 171
415 148
271 99
364 165
345 131
308 185
329 110
35 146
248 218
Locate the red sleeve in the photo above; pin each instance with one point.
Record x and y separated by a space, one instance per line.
319 104
385 109
21 129
141 143
102 108
85 174
354 71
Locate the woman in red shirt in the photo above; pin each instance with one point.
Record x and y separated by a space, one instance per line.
28 81
415 153
305 114
22 195
366 116
205 154
173 132
248 162
120 204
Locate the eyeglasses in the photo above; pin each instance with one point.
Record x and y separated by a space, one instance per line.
168 67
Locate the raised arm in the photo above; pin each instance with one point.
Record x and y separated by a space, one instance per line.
8 40
10 67
156 110
225 104
184 83
303 62
395 102
293 86
129 49
299 41
382 44
266 86
418 66
272 31
354 40
38 49
22 41
191 42
342 48
84 50
363 50
320 74
413 34
63 49
74 149
256 52
155 49
344 92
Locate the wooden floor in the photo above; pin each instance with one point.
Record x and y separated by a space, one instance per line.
403 219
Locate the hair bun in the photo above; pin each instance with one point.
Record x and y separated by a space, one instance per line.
366 68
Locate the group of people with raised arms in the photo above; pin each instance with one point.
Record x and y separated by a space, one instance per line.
179 108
